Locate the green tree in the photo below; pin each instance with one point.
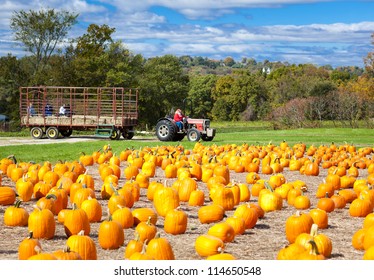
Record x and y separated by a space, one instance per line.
12 76
95 41
41 31
200 94
163 86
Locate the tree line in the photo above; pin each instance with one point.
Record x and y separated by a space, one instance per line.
288 95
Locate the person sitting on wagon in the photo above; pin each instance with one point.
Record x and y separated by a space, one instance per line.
48 110
178 118
62 110
31 110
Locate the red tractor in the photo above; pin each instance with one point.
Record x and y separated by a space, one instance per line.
194 129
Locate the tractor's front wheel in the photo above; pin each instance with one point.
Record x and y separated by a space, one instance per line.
193 135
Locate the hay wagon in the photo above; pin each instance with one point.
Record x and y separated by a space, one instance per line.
52 111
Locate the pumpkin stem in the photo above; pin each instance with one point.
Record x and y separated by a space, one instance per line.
314 230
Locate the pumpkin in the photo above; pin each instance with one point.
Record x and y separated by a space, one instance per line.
165 199
358 239
175 222
83 245
312 168
160 248
290 252
210 213
323 242
360 207
75 221
47 202
368 221
369 254
16 216
7 195
369 238
41 256
143 214
339 201
302 202
93 209
146 230
223 196
326 203
133 246
237 223
248 213
62 197
111 235
319 217
134 188
124 217
66 254
82 194
297 224
140 256
197 198
207 245
41 189
117 201
42 223
187 185
270 200
223 231
24 188
27 247
312 253
221 256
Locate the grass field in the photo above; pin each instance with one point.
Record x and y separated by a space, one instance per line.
227 133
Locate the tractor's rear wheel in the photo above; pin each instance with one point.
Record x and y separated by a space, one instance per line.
165 130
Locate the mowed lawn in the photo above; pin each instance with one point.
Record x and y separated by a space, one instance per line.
228 134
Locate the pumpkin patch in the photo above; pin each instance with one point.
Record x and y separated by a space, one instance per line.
262 202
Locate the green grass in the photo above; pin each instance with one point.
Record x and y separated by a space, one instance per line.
227 133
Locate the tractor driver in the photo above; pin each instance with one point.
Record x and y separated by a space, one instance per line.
178 118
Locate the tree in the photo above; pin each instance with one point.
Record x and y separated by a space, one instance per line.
41 31
369 60
200 94
95 41
163 86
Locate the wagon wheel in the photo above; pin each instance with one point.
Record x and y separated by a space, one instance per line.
36 133
66 132
116 134
127 134
52 132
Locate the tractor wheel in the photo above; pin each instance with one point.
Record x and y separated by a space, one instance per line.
52 132
36 133
193 135
206 138
165 130
178 136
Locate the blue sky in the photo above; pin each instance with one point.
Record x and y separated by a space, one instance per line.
337 33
